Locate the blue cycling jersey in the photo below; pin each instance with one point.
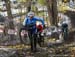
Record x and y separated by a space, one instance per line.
27 21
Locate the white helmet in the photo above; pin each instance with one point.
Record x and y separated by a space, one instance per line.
31 13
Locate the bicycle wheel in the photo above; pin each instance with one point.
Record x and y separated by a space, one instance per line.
23 36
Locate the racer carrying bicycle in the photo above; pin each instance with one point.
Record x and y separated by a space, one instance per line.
30 23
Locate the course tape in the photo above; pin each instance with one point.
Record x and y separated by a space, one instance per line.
16 46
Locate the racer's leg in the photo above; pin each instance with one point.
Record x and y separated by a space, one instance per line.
41 39
38 37
31 40
35 42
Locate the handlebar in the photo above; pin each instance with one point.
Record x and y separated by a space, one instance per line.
31 26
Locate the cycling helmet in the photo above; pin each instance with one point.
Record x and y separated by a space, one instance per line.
31 13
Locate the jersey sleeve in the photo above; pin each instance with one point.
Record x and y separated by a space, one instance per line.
41 20
25 21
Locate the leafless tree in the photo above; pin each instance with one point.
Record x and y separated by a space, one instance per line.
52 11
8 7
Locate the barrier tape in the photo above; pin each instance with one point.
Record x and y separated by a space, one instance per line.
16 46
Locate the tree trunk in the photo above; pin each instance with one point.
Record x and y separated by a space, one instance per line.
11 25
10 17
48 3
29 6
52 11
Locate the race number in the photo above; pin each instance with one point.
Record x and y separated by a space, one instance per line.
1 31
11 31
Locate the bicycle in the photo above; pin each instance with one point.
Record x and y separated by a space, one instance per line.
34 38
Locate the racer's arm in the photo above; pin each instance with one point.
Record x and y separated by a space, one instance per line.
41 20
25 22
